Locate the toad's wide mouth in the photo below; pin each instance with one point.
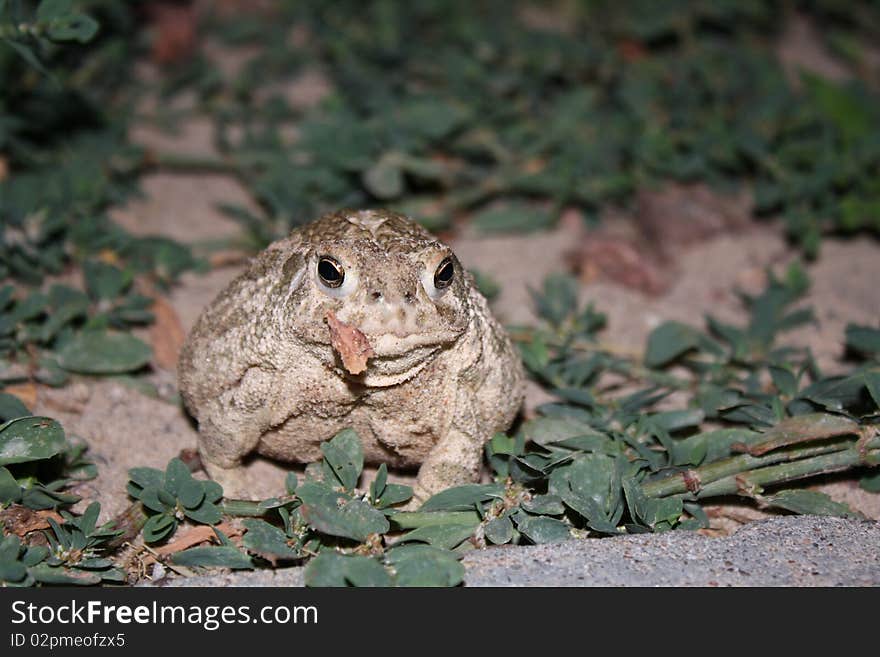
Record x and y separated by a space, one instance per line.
382 371
398 359
386 357
393 346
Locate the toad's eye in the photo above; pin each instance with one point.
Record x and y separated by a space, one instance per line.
444 274
330 272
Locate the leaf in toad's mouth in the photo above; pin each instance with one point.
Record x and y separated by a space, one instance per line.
351 345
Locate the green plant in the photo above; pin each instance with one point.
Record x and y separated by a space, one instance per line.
64 162
37 463
16 560
77 550
485 112
171 496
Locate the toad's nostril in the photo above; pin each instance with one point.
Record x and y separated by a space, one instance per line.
375 296
409 297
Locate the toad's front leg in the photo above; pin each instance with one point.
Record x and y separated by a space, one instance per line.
230 427
455 459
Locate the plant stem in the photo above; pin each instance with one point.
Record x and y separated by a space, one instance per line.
415 519
720 478
248 508
734 465
778 474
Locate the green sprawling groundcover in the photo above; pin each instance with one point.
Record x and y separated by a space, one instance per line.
599 461
440 109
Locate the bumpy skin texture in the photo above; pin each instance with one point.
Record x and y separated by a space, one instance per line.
259 371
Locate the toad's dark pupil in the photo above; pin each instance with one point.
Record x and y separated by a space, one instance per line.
331 272
444 273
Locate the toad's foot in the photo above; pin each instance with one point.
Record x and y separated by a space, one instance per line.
233 480
454 461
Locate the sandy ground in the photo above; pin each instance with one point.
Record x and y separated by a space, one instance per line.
791 551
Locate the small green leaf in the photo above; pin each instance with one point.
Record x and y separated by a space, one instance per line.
424 565
863 339
499 530
213 491
657 513
13 571
31 438
394 494
871 482
669 341
10 490
541 529
338 515
841 104
207 514
544 505
711 445
462 498
158 527
47 574
512 217
96 352
784 380
177 475
446 537
330 568
191 494
552 430
377 486
11 407
105 281
673 421
343 458
430 118
265 539
49 10
809 502
213 556
76 27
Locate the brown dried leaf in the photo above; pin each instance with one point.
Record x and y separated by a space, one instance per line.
683 215
195 536
174 31
166 334
351 345
26 392
4 168
21 520
621 261
191 458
